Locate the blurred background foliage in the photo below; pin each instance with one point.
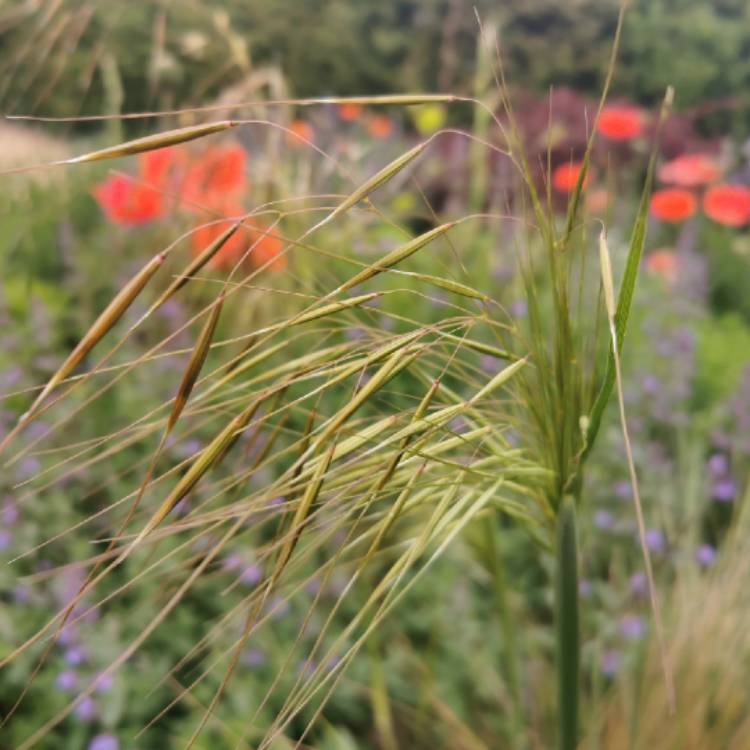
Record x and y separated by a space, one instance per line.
159 54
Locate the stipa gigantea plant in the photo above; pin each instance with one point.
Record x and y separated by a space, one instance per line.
325 453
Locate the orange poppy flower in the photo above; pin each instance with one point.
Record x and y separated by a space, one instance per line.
690 170
673 205
250 242
565 176
158 166
229 254
350 112
219 173
380 126
728 205
127 202
621 123
301 131
662 263
267 250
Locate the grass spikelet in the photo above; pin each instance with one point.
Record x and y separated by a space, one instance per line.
402 100
209 457
321 312
103 324
449 285
194 266
390 368
194 366
480 346
153 142
312 491
501 378
373 183
397 255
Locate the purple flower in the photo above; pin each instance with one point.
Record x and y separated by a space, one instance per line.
685 341
6 538
655 540
724 490
22 593
173 311
623 490
37 430
639 584
519 308
489 364
705 555
10 513
254 657
104 742
66 681
251 574
233 562
11 376
188 448
604 520
584 588
183 507
29 467
104 682
610 663
651 385
86 709
68 634
75 655
69 585
632 627
718 465
276 504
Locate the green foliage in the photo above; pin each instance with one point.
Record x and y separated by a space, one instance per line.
179 54
720 361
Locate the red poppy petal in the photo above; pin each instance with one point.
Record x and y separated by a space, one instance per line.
621 123
380 126
156 166
350 112
673 205
217 176
728 205
690 170
127 202
565 176
662 263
